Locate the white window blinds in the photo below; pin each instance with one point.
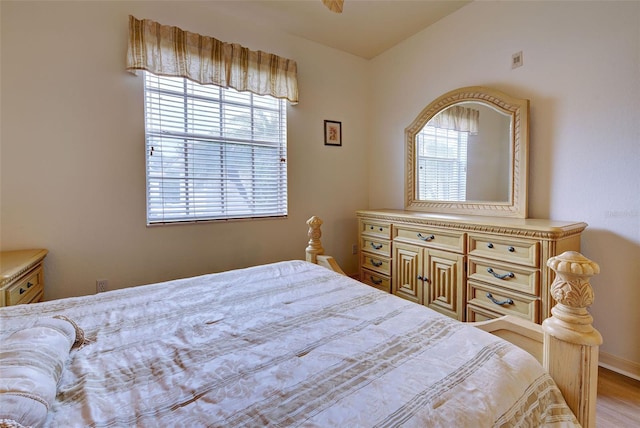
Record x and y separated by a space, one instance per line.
213 153
442 164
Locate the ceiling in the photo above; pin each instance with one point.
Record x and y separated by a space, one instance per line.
365 28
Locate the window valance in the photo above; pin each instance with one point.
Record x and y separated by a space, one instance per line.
169 51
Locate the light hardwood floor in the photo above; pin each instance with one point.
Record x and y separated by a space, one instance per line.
618 402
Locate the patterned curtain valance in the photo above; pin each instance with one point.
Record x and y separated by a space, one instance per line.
458 118
169 51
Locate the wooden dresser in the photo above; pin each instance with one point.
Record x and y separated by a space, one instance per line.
471 268
21 276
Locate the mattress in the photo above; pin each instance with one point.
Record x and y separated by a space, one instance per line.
288 344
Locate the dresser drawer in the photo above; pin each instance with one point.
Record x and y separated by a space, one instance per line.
375 263
516 251
375 229
507 276
475 314
27 289
432 237
374 279
502 302
377 246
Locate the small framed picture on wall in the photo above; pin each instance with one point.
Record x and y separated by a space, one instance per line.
332 133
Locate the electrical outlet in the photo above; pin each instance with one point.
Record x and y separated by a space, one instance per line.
102 285
354 249
516 60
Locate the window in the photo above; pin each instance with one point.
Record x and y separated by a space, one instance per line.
213 153
442 152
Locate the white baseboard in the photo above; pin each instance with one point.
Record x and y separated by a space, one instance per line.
619 365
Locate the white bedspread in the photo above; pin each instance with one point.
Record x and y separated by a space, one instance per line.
287 344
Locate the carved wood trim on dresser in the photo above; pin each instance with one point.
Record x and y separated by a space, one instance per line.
472 268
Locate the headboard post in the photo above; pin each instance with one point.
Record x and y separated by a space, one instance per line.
570 337
314 249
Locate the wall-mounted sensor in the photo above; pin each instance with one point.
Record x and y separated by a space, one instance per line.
516 60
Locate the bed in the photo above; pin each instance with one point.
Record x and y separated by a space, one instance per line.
285 344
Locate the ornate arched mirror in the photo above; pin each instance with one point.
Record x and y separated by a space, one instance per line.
467 153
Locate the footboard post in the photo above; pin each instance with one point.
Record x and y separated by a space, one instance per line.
314 249
570 337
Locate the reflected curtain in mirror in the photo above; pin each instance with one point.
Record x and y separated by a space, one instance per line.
458 118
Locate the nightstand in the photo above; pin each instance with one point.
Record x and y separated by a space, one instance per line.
21 276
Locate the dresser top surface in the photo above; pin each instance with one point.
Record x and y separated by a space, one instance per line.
468 221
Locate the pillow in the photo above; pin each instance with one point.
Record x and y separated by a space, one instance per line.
31 363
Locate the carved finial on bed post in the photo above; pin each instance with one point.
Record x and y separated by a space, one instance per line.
570 336
314 249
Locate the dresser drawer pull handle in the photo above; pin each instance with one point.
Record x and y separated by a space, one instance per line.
376 263
22 290
375 281
426 238
511 249
489 245
376 246
504 302
497 275
29 285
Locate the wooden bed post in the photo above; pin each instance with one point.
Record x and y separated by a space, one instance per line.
315 246
315 252
570 341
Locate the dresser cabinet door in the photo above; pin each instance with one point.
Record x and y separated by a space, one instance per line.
443 284
430 277
407 272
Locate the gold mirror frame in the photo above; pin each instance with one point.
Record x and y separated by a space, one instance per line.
518 110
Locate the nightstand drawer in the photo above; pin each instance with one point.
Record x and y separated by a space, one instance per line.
371 228
27 289
377 246
521 252
434 238
374 279
502 302
21 276
375 263
512 277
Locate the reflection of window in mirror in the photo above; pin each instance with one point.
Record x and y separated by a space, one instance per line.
442 152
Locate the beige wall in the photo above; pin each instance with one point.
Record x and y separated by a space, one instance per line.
72 135
581 73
